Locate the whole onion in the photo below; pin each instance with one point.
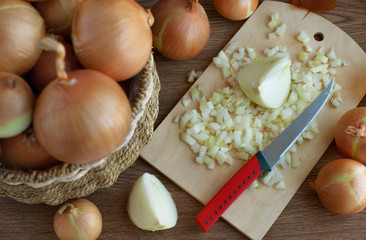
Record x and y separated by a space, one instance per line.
21 27
16 105
181 29
82 116
58 15
235 10
112 36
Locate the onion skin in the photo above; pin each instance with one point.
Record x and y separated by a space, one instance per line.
85 215
236 10
44 71
315 5
58 15
181 29
340 186
82 119
24 152
113 37
350 134
16 105
21 27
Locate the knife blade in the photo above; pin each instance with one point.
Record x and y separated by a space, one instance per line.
261 162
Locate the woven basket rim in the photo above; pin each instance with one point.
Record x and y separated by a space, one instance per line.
69 172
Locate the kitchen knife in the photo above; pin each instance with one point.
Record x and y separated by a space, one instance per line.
262 162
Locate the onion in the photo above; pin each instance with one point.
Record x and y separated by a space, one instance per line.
350 134
316 5
16 105
21 27
181 29
24 152
340 186
112 36
82 116
58 15
78 219
235 9
45 71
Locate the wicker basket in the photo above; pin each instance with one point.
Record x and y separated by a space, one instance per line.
63 182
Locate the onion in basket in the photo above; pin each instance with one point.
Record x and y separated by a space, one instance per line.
82 116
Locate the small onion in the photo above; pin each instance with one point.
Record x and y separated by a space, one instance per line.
113 37
350 134
21 27
235 10
181 29
16 105
45 70
82 116
341 187
24 152
58 15
78 219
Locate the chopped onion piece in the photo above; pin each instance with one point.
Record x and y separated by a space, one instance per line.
303 37
274 20
280 30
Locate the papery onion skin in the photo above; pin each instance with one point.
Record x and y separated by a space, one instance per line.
181 29
58 15
235 10
113 37
44 71
340 186
315 5
350 134
21 27
16 105
83 120
78 219
24 152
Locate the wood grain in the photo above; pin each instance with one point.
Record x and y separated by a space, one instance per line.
303 218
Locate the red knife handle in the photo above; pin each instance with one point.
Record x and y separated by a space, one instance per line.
229 193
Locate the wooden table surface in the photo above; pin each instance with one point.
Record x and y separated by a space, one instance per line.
303 218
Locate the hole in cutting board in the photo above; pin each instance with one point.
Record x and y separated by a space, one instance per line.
319 36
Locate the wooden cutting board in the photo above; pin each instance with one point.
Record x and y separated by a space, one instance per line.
254 212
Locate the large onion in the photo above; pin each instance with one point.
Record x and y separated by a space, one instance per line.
24 152
112 36
181 29
58 14
350 134
341 187
82 116
16 105
21 27
45 70
236 9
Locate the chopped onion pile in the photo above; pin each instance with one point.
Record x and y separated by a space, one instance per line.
227 125
279 30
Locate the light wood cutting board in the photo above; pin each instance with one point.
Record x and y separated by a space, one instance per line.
254 212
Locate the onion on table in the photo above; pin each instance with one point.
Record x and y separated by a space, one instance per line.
236 10
21 27
82 116
181 29
113 37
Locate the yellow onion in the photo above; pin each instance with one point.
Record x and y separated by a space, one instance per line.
82 116
44 71
21 27
24 152
235 9
58 15
16 105
341 187
78 219
113 37
181 29
350 134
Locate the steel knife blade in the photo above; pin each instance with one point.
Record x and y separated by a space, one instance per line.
261 162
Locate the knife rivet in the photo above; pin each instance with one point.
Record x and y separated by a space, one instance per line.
230 197
235 191
239 186
216 212
245 182
211 217
220 207
250 177
225 201
207 222
254 172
